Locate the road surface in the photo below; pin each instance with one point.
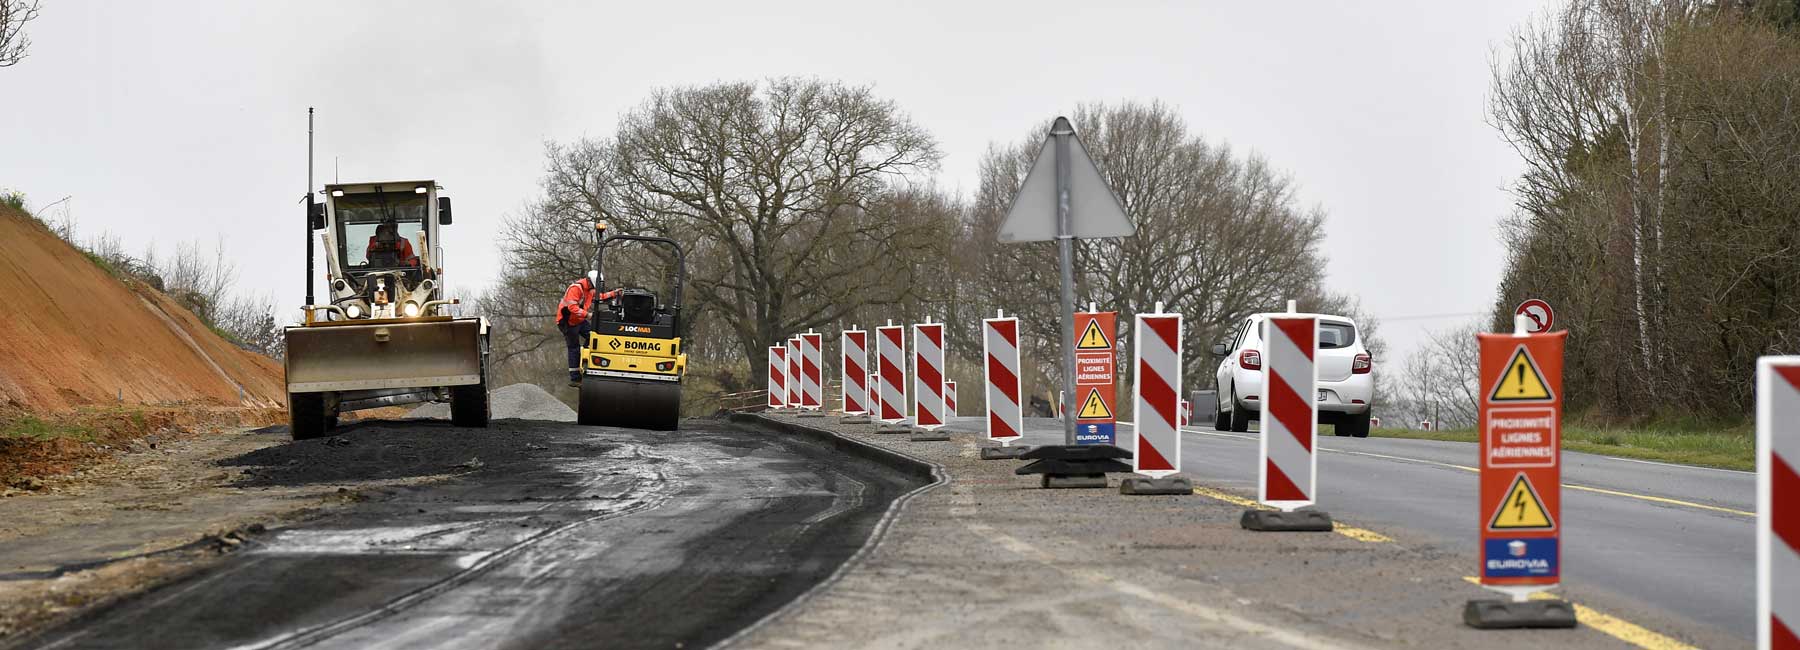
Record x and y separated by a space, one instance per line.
550 535
1679 539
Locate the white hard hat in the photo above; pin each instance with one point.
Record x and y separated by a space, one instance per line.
593 276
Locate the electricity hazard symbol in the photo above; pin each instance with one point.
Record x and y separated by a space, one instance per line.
1522 381
1093 339
1094 408
1522 509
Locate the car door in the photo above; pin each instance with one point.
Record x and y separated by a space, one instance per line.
1222 377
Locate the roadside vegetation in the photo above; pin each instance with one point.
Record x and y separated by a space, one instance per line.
1728 446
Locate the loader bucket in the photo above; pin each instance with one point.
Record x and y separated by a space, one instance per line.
340 356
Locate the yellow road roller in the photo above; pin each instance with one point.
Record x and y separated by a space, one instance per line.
632 366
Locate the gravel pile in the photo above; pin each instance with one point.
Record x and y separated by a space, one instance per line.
521 401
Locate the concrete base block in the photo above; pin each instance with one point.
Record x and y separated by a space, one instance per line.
1506 614
1052 481
1170 485
1311 521
894 428
926 435
854 419
1004 453
809 413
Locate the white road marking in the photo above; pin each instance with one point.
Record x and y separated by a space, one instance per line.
1680 466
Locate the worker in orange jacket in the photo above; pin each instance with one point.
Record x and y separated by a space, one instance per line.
572 318
388 246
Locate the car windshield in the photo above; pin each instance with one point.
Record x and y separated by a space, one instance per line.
380 230
1336 335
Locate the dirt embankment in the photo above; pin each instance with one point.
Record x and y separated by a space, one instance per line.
73 335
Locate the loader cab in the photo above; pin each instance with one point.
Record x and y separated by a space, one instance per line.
383 259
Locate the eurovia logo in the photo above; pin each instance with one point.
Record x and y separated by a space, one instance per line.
1518 558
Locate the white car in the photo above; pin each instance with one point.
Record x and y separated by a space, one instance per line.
1346 376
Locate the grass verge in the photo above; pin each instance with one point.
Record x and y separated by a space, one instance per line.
1731 447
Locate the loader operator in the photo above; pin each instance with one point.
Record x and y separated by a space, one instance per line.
388 248
572 319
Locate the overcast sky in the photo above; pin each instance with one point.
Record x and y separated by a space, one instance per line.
178 121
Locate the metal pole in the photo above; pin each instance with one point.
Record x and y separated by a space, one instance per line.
309 185
1065 251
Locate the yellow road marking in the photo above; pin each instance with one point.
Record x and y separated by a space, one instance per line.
1612 626
1352 532
1466 468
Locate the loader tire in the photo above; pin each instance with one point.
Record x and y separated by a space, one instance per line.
306 415
469 405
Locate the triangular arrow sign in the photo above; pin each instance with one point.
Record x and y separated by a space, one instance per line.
1094 212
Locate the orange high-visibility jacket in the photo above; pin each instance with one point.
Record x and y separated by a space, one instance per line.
578 300
401 245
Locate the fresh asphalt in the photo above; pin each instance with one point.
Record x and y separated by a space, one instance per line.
550 535
1676 538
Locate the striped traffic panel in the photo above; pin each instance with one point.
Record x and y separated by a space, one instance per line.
891 365
1290 416
1778 502
928 374
1156 390
1000 348
855 344
1520 415
949 398
873 394
793 371
777 376
812 390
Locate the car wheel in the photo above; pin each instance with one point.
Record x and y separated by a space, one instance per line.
1240 416
1354 425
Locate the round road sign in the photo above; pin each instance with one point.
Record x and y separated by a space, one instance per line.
1538 312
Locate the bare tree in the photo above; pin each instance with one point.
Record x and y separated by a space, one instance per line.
13 41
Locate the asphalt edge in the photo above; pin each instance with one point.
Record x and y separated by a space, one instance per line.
899 461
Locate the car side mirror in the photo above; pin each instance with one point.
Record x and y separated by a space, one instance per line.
443 210
1218 349
315 213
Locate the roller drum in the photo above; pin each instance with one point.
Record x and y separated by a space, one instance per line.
630 404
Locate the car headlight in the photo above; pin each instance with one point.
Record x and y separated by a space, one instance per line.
353 310
411 309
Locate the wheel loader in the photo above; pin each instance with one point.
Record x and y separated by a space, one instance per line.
384 336
632 365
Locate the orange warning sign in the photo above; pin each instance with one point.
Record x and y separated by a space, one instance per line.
1521 456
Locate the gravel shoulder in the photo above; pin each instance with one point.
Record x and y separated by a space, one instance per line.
992 560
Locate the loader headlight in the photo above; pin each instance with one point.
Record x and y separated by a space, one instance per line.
411 309
353 311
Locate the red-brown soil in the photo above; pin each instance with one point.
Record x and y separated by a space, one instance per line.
73 335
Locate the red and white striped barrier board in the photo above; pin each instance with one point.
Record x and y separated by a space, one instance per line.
777 376
1156 389
1187 412
812 390
1000 348
928 375
855 344
1778 502
949 398
793 372
891 365
874 392
1290 415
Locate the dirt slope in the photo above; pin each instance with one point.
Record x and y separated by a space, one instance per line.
73 335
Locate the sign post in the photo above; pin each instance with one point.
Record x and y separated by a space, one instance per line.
855 389
891 366
1065 197
1778 502
812 375
1000 371
1520 509
1287 477
1156 399
928 382
777 377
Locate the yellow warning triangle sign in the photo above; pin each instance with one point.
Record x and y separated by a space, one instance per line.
1093 339
1522 381
1522 509
1094 407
